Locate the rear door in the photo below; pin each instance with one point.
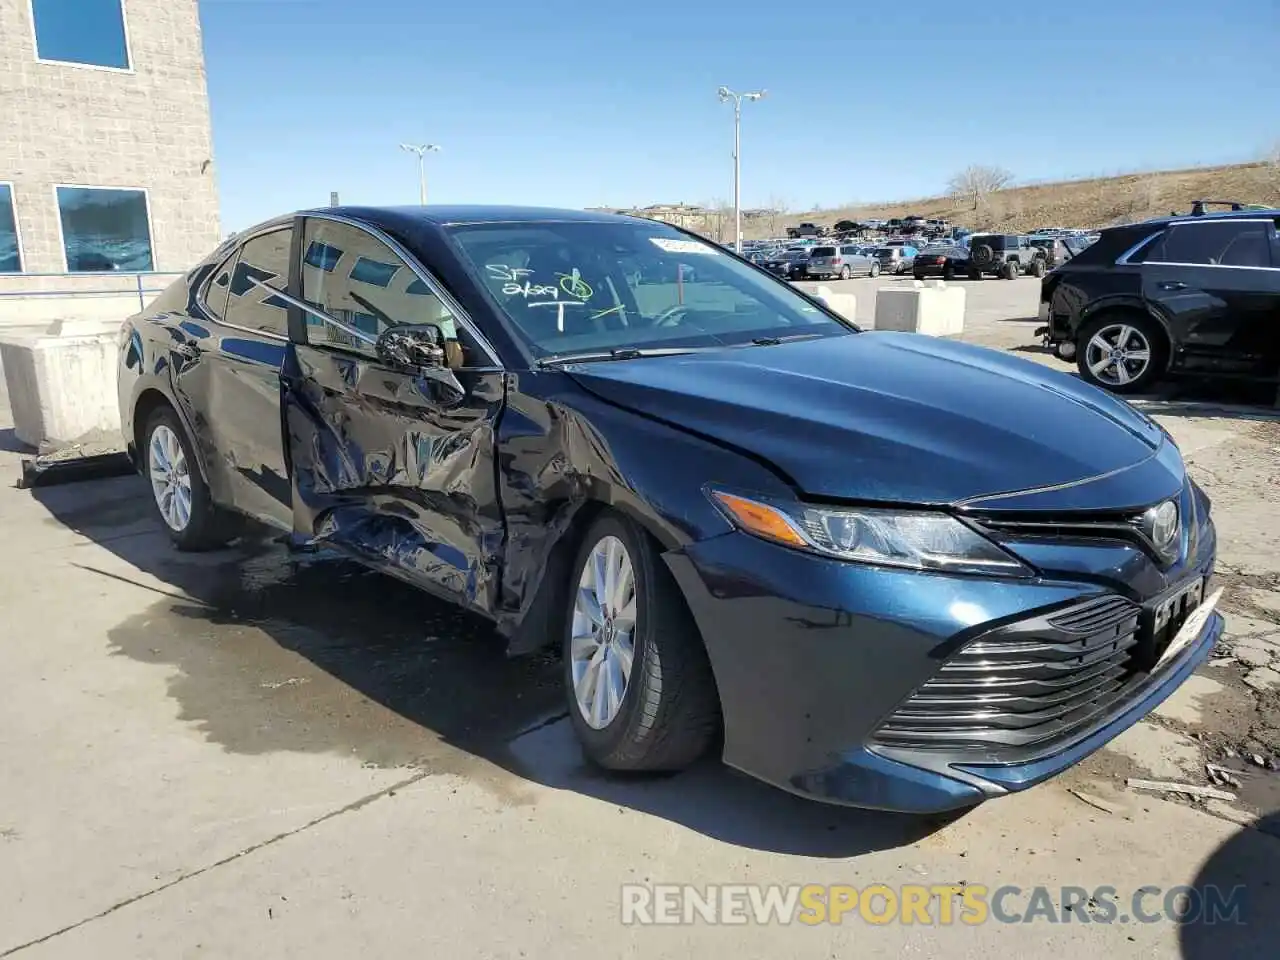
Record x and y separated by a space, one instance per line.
393 463
1218 287
231 375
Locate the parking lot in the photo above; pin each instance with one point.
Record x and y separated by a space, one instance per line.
253 752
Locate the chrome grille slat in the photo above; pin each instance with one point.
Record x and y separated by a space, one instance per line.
1025 683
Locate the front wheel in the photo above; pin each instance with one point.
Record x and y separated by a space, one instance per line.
640 689
844 272
192 519
874 271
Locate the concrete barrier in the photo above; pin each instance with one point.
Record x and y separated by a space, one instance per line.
930 307
845 304
62 389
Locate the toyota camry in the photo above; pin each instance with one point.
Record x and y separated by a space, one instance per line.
872 568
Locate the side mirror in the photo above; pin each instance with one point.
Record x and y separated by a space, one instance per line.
418 345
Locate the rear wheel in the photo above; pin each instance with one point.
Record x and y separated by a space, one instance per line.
1038 268
640 689
1010 270
948 272
975 274
192 519
1123 352
875 269
844 272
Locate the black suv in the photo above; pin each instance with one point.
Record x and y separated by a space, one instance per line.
1007 255
1177 295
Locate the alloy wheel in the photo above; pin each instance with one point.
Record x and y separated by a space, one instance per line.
170 476
602 645
1118 354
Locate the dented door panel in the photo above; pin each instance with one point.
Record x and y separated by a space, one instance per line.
390 466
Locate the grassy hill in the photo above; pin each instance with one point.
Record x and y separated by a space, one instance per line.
1080 203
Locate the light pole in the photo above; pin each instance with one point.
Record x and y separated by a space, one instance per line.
421 149
725 96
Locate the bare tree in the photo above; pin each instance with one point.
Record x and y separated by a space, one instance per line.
975 183
777 215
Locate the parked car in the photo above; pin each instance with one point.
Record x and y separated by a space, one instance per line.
672 489
1006 255
791 263
895 258
1053 249
944 260
842 261
1196 294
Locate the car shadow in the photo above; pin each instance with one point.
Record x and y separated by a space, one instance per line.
1243 873
280 650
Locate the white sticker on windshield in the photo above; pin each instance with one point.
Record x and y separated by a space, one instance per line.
672 245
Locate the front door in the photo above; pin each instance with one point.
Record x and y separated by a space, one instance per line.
392 463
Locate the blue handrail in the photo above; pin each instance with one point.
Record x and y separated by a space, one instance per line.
136 286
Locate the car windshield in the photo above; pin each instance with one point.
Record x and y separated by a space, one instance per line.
597 286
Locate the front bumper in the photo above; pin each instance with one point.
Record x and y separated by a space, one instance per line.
814 658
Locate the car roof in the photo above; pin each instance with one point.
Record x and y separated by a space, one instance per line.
448 214
1219 215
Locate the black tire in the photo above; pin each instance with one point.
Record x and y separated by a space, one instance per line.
983 254
670 712
917 276
844 272
975 274
1038 268
1010 270
1149 327
875 269
948 272
209 526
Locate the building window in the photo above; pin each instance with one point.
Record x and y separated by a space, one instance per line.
88 32
10 252
104 229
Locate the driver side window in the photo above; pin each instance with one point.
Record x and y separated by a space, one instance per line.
356 279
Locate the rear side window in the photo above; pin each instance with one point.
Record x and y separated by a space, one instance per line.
823 252
218 288
1229 243
262 266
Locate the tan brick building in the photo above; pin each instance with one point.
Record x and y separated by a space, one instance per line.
106 156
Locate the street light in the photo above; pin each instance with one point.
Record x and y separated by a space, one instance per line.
725 96
421 149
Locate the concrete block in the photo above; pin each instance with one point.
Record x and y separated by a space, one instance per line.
845 304
930 307
62 389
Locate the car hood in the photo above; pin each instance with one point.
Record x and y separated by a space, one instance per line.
888 417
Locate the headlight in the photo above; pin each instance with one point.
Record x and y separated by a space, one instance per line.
918 540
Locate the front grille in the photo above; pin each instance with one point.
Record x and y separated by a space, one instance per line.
1026 684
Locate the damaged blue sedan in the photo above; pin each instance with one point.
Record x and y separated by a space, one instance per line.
872 568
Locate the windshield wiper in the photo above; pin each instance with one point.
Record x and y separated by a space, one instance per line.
774 341
619 353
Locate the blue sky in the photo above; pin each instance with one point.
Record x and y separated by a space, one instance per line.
560 103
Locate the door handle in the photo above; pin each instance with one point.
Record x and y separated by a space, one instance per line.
1172 285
